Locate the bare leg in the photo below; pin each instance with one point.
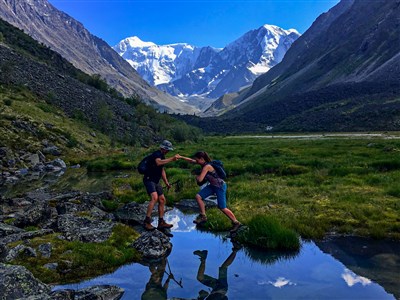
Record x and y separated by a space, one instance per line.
202 268
161 206
201 204
229 214
153 201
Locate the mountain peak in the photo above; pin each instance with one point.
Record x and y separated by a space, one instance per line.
136 42
277 29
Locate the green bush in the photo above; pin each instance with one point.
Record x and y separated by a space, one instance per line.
267 233
7 102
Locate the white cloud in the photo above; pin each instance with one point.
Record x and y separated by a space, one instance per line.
351 278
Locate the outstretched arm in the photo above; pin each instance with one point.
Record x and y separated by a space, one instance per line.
161 162
191 160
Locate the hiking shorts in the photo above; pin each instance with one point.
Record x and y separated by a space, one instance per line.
152 187
220 192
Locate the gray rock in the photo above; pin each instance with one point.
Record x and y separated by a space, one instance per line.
97 292
45 250
33 215
8 230
42 158
153 244
191 204
132 213
20 250
51 266
59 163
52 150
24 236
17 282
33 160
82 229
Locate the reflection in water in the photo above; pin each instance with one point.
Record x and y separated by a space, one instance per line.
351 278
372 261
71 179
253 274
155 289
218 285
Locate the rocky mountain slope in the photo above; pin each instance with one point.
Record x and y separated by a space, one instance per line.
185 70
342 74
47 106
85 51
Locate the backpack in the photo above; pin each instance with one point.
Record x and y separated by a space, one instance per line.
219 168
145 164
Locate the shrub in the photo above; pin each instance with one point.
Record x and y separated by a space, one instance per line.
266 232
7 102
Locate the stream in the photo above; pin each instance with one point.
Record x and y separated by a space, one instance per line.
227 273
207 265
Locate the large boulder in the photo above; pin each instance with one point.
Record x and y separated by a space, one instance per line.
34 215
8 230
97 292
132 213
17 282
191 204
20 250
153 244
82 229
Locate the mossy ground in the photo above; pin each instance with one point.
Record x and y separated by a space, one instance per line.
78 260
72 136
314 187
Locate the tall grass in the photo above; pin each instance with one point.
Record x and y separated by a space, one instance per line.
267 233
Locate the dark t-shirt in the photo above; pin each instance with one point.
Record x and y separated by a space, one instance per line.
154 173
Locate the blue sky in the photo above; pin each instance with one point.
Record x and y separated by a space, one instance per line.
198 22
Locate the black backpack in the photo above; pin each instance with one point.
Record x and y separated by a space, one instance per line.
219 168
145 164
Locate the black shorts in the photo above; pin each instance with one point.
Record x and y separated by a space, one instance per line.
152 187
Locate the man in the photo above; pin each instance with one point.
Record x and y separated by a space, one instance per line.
151 181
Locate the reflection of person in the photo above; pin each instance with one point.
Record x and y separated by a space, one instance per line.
219 286
151 181
154 288
216 186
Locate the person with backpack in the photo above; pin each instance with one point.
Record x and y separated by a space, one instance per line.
213 173
152 167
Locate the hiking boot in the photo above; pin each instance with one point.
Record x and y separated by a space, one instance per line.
163 225
200 219
201 253
235 227
147 224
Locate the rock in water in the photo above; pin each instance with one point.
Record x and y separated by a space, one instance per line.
153 244
97 292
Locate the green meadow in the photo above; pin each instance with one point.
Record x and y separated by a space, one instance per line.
313 187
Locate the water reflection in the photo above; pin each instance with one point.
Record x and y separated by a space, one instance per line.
219 286
238 273
155 288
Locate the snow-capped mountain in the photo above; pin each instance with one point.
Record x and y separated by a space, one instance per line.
185 70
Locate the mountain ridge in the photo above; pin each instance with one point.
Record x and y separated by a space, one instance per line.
91 54
185 70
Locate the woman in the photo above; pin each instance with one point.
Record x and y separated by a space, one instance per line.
216 186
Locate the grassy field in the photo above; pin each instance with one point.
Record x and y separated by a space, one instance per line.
312 186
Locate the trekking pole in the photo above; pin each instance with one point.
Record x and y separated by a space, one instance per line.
173 278
173 183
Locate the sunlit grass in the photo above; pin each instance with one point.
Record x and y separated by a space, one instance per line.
314 187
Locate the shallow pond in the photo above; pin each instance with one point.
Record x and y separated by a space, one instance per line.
339 271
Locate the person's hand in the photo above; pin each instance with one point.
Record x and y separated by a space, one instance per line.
169 186
176 157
